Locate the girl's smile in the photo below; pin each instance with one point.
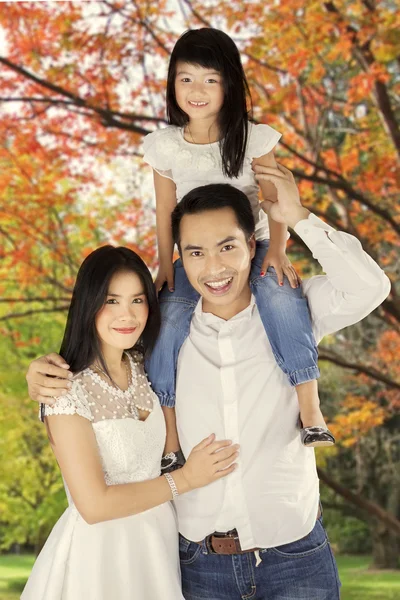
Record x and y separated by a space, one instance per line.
198 104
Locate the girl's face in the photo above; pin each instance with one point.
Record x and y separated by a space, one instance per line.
198 90
121 321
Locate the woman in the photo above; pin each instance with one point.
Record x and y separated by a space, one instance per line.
118 537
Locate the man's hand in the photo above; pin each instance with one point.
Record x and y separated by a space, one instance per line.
48 377
288 208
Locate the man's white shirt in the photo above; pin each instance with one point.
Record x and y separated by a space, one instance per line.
229 383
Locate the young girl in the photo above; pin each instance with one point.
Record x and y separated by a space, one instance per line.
118 537
211 140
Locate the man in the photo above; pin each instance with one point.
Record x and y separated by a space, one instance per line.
257 533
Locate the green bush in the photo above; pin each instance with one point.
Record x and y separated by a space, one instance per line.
347 535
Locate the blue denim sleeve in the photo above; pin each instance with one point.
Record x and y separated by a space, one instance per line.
176 313
286 318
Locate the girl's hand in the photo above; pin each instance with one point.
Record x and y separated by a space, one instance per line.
288 202
282 265
165 274
208 461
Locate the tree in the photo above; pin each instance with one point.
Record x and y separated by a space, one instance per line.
31 489
324 73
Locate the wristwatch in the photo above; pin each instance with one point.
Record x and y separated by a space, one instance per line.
172 461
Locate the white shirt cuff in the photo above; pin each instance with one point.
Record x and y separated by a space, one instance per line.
313 230
353 263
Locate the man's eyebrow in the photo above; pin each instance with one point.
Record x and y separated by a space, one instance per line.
230 238
191 247
119 296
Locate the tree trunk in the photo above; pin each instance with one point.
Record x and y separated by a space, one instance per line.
371 508
40 541
385 547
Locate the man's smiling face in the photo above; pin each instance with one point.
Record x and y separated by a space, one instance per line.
217 255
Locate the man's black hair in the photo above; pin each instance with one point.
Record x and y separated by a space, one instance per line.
214 197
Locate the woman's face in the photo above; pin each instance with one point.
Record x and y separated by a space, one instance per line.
121 321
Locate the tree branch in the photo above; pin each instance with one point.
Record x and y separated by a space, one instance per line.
107 117
33 312
362 503
39 299
59 101
345 186
365 58
347 510
328 355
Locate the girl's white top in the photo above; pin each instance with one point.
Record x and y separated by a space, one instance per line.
193 165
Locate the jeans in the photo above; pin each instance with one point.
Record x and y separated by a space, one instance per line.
301 570
283 311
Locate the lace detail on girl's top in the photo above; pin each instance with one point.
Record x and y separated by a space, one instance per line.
262 139
106 401
74 402
166 149
159 148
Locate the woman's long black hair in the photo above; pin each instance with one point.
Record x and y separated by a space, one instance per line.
212 48
81 344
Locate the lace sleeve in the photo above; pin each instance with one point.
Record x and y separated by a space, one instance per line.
74 402
262 139
159 148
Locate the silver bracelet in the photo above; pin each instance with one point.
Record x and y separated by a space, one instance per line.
172 485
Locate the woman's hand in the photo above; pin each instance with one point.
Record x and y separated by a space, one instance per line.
207 462
165 274
282 265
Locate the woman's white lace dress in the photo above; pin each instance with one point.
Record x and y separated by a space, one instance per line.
124 559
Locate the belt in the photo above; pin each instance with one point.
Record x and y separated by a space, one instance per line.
228 543
225 543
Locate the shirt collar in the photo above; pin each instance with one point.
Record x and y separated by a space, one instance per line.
210 319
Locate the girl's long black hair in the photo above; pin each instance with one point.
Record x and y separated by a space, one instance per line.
81 344
212 48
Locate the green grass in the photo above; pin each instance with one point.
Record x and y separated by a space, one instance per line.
14 571
358 582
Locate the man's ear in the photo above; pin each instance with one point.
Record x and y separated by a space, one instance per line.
252 245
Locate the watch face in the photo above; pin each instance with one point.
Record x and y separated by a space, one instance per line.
168 460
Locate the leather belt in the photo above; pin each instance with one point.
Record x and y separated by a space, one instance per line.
228 543
225 543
